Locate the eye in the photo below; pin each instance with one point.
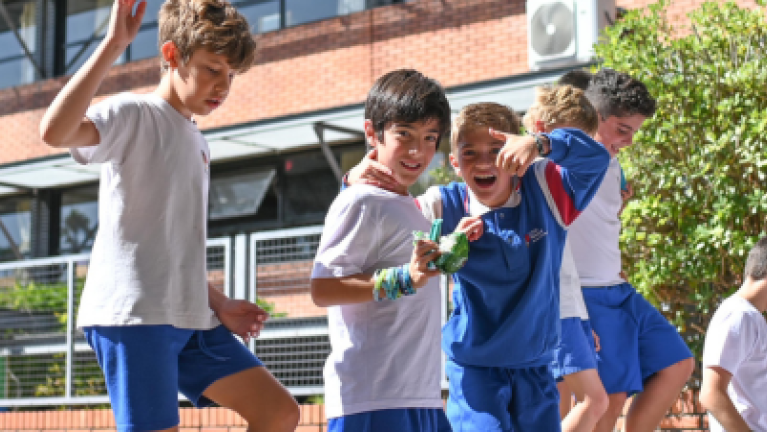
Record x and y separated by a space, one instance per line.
403 133
213 71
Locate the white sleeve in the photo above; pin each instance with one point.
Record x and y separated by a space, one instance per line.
349 239
729 342
116 119
430 203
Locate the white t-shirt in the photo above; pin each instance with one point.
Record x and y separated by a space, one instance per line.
571 303
385 354
736 341
148 261
594 235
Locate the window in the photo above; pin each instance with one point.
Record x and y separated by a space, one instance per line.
15 228
263 16
243 195
15 67
304 11
86 25
79 220
310 186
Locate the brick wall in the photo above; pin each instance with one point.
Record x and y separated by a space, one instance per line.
685 415
327 64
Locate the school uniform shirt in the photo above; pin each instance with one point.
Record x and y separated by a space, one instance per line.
571 303
594 236
506 297
148 262
736 341
384 354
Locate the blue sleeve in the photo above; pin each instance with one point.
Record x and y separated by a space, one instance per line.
576 167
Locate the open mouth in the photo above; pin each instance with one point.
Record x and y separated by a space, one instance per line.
414 166
214 103
485 181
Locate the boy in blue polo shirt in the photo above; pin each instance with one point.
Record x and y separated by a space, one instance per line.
502 334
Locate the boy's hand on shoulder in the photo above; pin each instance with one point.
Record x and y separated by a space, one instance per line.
242 318
517 154
472 227
123 23
371 172
424 252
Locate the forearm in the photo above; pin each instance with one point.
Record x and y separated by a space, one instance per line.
65 114
342 291
216 298
585 163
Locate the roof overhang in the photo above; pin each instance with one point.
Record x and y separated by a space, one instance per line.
276 135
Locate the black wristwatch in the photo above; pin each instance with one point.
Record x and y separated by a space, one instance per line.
539 137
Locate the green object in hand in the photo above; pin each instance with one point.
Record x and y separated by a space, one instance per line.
454 247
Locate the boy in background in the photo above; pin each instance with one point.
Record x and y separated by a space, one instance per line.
574 366
156 326
734 387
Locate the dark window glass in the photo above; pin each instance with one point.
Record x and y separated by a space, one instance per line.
79 220
243 194
15 68
87 22
304 11
145 43
310 186
15 228
263 16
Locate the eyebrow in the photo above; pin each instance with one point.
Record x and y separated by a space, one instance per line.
626 126
410 126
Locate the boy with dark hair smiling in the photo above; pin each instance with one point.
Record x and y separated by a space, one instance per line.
383 373
156 326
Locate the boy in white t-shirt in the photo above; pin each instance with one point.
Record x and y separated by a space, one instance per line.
156 326
575 363
734 388
383 373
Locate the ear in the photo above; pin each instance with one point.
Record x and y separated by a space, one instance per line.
539 126
170 54
454 164
370 134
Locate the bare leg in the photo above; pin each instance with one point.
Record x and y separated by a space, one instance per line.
614 410
660 392
592 401
565 399
259 398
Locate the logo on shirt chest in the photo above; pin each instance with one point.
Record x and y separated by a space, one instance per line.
534 235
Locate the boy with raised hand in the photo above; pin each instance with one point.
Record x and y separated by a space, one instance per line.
156 326
575 362
502 334
641 353
734 387
383 373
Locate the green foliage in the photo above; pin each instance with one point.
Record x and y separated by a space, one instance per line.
698 167
269 308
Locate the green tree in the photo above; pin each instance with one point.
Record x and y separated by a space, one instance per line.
698 167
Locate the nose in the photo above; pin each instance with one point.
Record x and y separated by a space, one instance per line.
222 85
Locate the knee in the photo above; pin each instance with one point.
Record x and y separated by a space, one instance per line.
598 404
288 417
282 417
615 404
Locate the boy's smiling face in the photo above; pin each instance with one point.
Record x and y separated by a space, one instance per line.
201 84
615 132
406 149
474 160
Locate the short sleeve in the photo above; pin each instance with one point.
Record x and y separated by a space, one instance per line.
116 120
349 238
729 342
430 204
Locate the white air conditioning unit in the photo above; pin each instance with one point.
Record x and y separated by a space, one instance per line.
563 32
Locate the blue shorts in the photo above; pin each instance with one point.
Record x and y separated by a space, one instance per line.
635 340
146 366
499 399
576 351
388 420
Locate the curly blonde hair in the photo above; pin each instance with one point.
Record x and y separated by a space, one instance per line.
214 25
562 106
483 115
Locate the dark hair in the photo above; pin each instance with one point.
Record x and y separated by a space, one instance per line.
406 96
577 78
756 263
618 94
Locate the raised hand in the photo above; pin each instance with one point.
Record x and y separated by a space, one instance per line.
472 227
517 154
424 252
371 172
123 23
242 318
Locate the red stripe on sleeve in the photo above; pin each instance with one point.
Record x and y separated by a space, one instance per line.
417 204
565 204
